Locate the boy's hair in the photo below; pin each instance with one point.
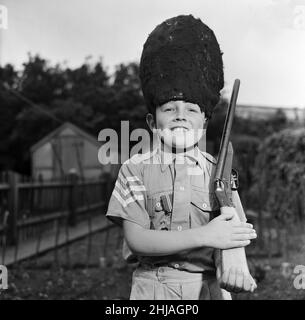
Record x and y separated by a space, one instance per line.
181 60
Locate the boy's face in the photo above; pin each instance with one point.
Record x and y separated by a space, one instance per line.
180 124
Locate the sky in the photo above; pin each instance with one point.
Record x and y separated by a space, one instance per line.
263 41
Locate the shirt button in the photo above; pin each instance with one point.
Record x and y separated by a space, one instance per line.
179 228
204 205
181 188
176 265
158 204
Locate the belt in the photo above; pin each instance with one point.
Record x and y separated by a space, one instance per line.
206 274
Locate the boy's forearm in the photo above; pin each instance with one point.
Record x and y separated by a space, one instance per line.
157 243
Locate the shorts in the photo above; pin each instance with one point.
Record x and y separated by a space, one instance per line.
166 283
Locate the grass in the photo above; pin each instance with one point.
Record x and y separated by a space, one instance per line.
98 274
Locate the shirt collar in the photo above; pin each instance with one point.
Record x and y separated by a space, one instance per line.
193 157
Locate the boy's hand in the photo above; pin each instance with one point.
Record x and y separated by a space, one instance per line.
224 233
236 280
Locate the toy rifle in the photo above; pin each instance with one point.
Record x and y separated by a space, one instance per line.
234 273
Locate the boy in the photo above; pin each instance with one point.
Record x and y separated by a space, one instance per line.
164 199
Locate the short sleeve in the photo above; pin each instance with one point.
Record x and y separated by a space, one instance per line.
128 199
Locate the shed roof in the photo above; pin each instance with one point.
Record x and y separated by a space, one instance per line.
57 131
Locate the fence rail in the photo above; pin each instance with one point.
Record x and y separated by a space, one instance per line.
32 211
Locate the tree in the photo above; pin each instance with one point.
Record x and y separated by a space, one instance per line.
216 124
10 106
40 82
40 97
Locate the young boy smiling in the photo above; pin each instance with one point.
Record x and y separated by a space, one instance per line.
165 199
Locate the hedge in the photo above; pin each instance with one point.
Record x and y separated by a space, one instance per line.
280 175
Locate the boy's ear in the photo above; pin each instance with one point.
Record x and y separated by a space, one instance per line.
205 125
150 121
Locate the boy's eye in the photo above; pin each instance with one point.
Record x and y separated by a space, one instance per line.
193 110
169 109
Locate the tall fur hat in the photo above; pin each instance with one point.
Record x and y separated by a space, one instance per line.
181 60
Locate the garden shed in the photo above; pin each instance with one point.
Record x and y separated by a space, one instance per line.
68 149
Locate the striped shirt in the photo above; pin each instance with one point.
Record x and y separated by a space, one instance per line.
161 192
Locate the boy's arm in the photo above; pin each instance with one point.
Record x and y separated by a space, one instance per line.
222 232
145 242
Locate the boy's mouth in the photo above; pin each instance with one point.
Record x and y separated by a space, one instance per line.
179 129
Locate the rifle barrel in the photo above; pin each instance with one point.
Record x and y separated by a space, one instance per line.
226 131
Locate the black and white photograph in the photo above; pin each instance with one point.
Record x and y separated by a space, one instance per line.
152 150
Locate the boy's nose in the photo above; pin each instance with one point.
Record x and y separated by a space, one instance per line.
180 114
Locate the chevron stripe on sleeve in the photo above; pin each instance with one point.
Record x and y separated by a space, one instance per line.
128 189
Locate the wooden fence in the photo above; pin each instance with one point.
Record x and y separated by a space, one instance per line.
32 209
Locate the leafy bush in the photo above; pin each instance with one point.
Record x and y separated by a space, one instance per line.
280 175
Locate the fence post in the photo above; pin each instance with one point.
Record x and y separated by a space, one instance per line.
109 186
73 177
12 208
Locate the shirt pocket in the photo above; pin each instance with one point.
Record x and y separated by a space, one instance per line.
205 207
160 207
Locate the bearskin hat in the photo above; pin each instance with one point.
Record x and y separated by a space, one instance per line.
181 60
